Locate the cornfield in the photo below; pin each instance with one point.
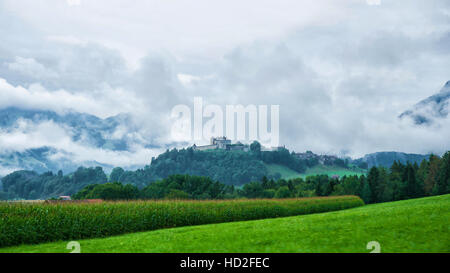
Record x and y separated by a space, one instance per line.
38 223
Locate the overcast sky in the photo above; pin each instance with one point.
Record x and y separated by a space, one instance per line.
341 71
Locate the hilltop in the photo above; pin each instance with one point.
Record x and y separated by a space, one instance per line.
235 167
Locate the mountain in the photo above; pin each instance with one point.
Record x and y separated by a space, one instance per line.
430 109
89 129
43 159
386 159
116 133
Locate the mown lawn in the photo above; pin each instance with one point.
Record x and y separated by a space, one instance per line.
419 225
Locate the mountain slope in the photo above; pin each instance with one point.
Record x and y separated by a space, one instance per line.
43 159
117 134
430 109
386 159
84 128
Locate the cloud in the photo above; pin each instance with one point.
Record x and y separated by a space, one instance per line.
341 74
28 135
31 68
112 102
74 2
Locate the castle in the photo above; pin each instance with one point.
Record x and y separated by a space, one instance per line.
223 143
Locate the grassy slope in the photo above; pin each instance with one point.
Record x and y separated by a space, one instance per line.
419 225
332 170
287 173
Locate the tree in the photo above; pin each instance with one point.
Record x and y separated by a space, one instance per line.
386 191
3 195
270 193
366 194
255 148
434 167
253 190
116 174
443 185
409 178
421 175
372 180
283 192
177 195
350 185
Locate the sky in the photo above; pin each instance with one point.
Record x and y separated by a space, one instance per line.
341 71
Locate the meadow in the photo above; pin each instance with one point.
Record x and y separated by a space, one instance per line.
416 225
287 173
38 223
333 170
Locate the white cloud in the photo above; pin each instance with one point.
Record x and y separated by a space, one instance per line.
74 2
187 79
31 68
28 135
341 71
67 39
102 103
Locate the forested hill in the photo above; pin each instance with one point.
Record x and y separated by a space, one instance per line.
386 159
228 167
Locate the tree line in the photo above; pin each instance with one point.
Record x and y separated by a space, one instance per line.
229 167
399 182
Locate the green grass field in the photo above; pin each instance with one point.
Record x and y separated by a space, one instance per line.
418 225
332 170
287 173
39 223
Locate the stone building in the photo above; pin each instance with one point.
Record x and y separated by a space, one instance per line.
222 143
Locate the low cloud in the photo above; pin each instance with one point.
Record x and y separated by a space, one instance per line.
341 79
27 135
103 103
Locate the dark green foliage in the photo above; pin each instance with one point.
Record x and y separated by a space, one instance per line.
108 191
443 185
116 175
366 194
284 157
229 167
409 178
283 192
363 165
30 185
37 223
175 194
195 187
373 181
381 185
255 148
3 196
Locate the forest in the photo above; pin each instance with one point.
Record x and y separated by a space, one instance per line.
218 174
228 167
399 182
